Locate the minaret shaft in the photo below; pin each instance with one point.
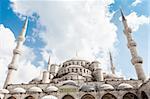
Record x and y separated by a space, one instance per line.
111 63
49 64
136 60
12 67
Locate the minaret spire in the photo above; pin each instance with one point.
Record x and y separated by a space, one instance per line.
123 17
49 63
111 63
12 67
136 59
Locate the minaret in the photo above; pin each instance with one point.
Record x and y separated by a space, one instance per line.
46 74
136 60
12 67
111 63
49 64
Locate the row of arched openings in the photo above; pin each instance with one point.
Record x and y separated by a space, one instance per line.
106 96
28 97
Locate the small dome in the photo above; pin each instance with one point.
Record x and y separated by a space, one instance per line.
18 90
70 82
36 79
49 97
125 86
35 89
110 76
106 87
51 89
4 91
95 61
87 88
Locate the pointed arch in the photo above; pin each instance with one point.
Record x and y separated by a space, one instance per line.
108 96
88 96
144 95
130 95
68 97
29 97
11 97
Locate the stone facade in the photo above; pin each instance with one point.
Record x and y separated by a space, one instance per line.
77 78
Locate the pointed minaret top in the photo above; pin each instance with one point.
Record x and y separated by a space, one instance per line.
123 17
49 60
24 29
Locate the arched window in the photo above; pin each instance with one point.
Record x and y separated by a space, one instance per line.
72 69
29 97
81 70
68 97
84 70
76 70
109 96
143 95
68 70
11 97
88 96
130 96
71 78
49 97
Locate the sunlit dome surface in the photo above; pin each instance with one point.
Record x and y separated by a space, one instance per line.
70 82
4 91
19 90
106 87
35 89
51 89
125 86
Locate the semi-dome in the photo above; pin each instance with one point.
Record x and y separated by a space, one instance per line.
36 79
110 76
4 91
106 87
51 89
95 61
18 90
125 86
87 88
35 89
49 97
70 82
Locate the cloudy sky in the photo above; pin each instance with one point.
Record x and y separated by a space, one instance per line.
60 28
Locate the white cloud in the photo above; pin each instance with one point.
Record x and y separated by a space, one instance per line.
82 26
136 21
26 70
136 2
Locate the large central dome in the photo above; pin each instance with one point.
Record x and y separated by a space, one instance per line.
75 69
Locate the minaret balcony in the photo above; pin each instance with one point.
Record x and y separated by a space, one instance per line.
17 51
12 66
21 38
132 44
129 30
135 60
